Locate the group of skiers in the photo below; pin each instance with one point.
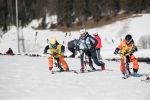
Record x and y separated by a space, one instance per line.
90 46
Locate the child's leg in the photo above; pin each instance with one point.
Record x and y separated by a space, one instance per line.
135 63
122 66
64 63
58 64
82 61
127 64
50 61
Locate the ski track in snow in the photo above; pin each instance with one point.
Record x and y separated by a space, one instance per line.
28 78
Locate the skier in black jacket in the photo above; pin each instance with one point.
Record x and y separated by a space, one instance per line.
71 47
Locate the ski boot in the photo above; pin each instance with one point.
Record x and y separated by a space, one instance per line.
125 76
135 74
103 66
60 69
67 69
82 68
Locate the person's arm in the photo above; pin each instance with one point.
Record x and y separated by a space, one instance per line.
46 48
118 49
94 41
77 44
62 49
134 49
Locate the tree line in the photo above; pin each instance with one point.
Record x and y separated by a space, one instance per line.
68 12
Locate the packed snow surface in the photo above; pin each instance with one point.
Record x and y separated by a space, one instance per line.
28 78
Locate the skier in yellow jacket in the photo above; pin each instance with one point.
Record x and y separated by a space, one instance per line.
57 53
127 48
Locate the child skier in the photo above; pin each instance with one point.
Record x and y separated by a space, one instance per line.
57 53
127 48
87 44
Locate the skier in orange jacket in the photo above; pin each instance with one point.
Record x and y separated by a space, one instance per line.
127 48
57 53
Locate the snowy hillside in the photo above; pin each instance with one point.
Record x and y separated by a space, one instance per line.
28 78
110 34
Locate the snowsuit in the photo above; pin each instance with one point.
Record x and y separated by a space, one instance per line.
71 47
58 54
98 47
87 45
127 50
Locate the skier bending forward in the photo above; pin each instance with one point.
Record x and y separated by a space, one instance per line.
127 48
57 53
87 44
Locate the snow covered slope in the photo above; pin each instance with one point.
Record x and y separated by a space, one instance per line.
110 34
28 78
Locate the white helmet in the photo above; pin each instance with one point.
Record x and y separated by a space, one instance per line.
95 34
82 31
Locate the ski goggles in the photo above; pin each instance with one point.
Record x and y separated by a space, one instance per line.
53 46
129 41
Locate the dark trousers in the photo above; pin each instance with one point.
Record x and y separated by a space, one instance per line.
91 54
98 53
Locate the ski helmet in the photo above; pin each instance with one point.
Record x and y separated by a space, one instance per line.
128 38
52 41
82 31
95 34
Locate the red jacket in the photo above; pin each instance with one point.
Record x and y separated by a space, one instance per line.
99 45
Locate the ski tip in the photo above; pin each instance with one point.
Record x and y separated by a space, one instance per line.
75 72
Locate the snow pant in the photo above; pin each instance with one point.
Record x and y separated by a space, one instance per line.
129 59
60 60
91 53
73 52
98 53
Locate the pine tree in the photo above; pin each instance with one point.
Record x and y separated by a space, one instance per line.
80 11
68 12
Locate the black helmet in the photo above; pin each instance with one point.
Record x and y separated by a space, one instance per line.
128 38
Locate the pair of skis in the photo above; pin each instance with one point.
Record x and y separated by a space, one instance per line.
146 77
75 71
131 75
58 71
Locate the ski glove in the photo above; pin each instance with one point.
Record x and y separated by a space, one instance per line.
54 53
134 50
116 51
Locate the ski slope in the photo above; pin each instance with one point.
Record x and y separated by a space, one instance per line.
28 78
